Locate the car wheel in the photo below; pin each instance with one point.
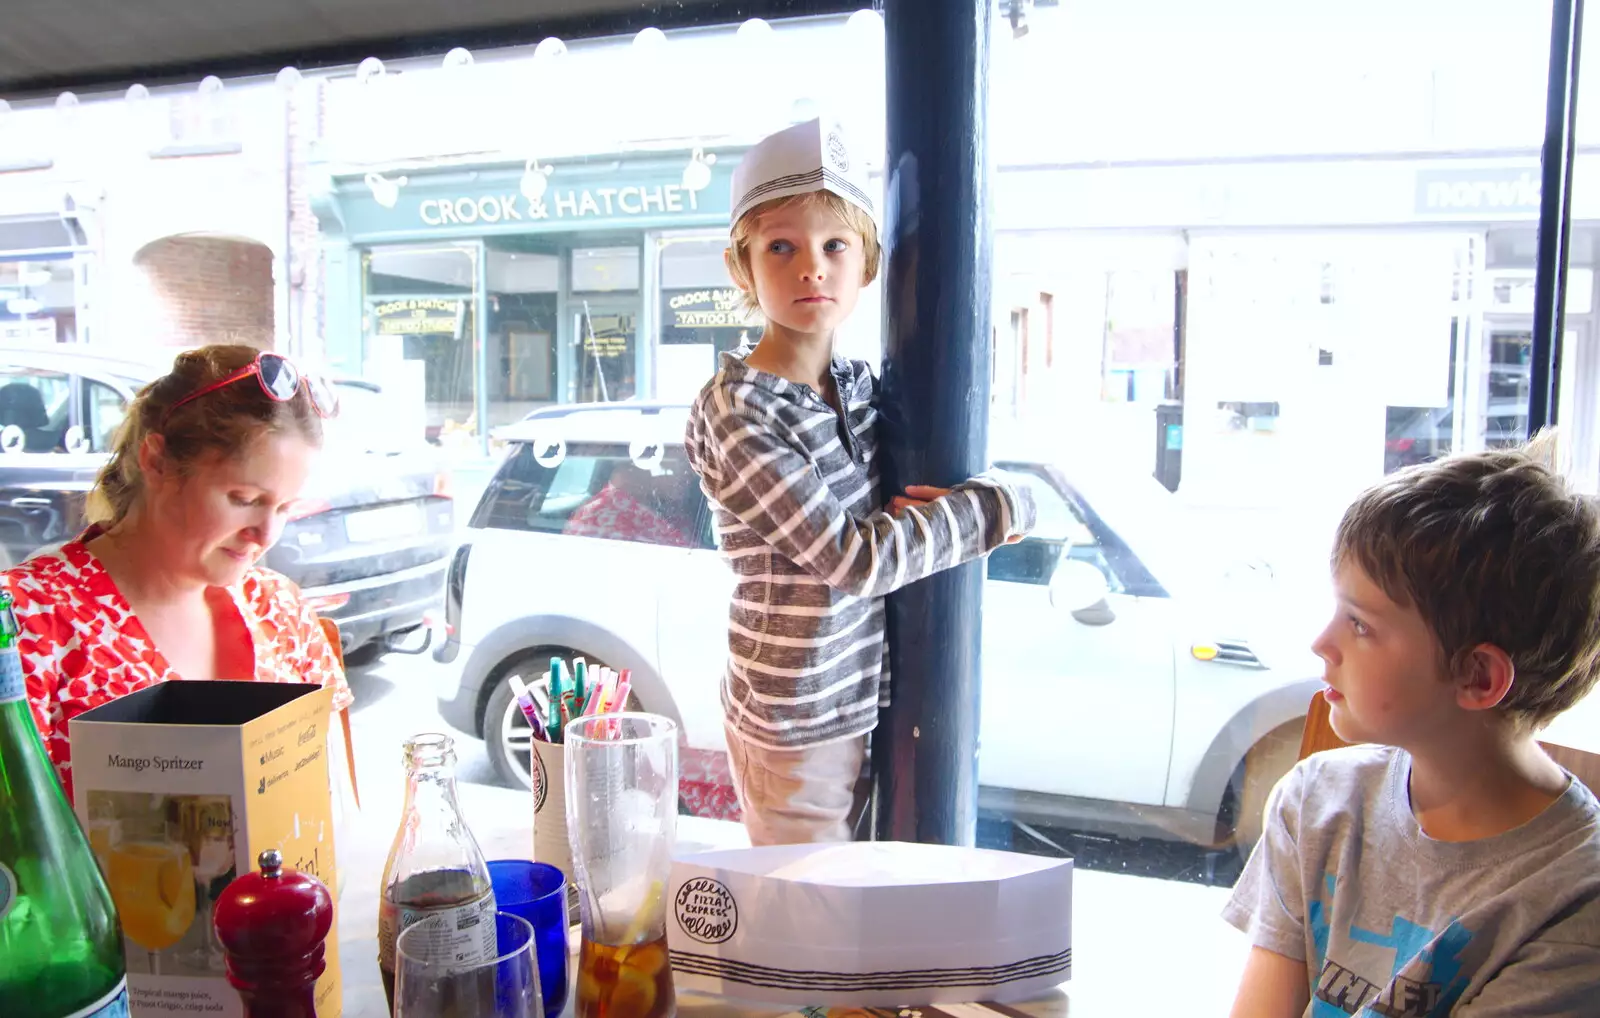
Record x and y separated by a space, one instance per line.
1244 805
506 734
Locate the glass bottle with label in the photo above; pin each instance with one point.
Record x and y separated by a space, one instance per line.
60 944
436 873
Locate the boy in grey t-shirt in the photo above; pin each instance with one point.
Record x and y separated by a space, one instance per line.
1449 866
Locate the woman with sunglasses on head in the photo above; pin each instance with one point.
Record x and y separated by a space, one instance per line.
165 583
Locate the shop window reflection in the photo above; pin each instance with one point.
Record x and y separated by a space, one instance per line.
421 331
524 280
605 334
38 301
701 314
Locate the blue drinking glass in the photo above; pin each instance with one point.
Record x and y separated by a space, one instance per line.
537 892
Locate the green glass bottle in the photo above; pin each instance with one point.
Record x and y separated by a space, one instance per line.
60 944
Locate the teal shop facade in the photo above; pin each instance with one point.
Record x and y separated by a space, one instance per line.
476 293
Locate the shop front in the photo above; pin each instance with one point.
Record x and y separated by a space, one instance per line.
484 292
1264 300
40 261
46 248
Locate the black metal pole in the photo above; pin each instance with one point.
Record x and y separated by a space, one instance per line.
1555 213
935 402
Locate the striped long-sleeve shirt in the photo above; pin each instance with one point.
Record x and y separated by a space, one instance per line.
802 521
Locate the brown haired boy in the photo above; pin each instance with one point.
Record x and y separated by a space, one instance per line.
1449 867
785 441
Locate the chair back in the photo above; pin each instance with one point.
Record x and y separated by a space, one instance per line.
330 629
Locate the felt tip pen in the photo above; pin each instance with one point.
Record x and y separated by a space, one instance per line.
553 722
530 710
580 679
618 701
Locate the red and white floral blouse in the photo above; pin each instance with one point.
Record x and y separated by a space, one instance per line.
83 646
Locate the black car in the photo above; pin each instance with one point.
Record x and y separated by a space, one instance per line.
369 549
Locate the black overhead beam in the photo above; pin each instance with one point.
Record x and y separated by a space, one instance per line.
84 45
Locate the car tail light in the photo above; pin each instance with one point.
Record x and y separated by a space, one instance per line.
431 620
301 508
444 484
455 586
327 602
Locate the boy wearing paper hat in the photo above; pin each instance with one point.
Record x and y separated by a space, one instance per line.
785 441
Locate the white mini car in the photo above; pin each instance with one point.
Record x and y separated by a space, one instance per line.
1173 701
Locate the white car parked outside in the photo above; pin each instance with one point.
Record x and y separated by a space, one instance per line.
1128 683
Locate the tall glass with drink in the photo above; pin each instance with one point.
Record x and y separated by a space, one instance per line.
152 880
622 808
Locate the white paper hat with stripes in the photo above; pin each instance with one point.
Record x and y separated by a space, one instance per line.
811 156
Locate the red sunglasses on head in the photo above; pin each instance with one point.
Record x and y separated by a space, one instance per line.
280 380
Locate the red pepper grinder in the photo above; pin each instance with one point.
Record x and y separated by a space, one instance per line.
273 925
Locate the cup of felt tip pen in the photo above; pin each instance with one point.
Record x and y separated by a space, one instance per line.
547 766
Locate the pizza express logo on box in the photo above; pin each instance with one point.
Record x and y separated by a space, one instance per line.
706 910
161 764
541 783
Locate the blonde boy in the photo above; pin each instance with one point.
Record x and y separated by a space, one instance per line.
1449 867
785 441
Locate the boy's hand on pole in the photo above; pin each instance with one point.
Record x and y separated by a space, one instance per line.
916 494
900 503
922 494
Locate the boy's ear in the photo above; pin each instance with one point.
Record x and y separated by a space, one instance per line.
732 265
1485 678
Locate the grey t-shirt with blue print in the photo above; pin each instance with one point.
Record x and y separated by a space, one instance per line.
1392 923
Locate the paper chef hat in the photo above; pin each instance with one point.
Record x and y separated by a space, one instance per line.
812 156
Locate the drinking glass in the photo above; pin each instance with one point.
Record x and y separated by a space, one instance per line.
537 892
622 809
103 833
506 986
206 822
152 884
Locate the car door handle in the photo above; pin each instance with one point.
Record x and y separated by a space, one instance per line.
31 502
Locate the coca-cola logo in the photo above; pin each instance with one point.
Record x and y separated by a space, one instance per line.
706 910
541 780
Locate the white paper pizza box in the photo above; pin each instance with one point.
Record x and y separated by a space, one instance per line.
870 923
